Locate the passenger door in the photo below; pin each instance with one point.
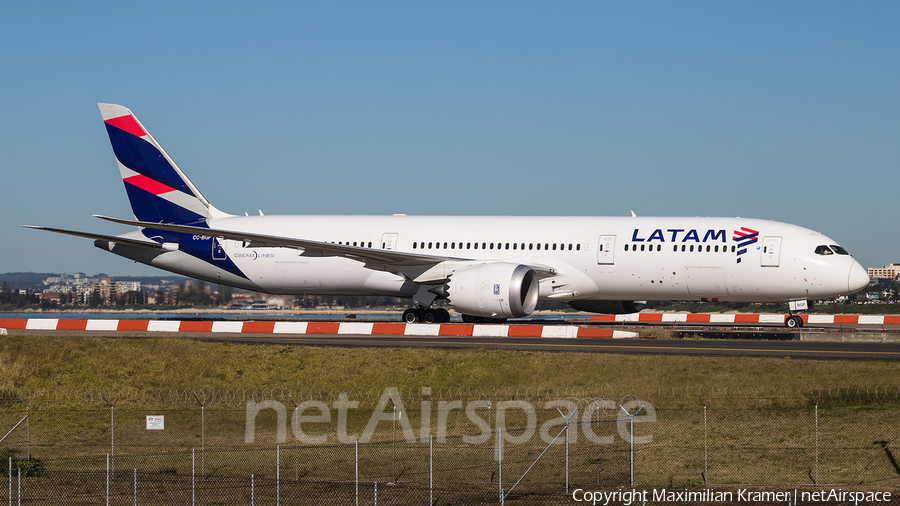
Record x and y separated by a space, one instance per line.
771 252
606 250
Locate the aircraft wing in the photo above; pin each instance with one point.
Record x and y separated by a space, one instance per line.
100 237
310 248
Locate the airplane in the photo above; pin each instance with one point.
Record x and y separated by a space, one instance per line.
487 268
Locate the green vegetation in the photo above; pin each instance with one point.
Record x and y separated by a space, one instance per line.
74 362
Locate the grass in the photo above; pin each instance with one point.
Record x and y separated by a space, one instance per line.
61 363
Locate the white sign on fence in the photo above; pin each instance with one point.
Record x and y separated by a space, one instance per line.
156 422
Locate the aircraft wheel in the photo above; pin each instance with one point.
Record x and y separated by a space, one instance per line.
793 322
445 315
467 318
430 316
411 315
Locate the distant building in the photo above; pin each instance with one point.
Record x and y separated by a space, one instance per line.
890 271
128 286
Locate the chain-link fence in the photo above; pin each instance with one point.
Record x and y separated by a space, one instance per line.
423 450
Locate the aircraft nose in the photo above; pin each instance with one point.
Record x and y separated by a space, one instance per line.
858 278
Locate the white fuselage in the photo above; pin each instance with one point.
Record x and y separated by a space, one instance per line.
594 258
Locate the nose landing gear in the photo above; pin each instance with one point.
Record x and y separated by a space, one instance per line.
793 321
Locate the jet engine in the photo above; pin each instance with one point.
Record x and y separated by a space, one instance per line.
494 290
608 306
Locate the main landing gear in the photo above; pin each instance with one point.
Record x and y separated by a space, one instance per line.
420 314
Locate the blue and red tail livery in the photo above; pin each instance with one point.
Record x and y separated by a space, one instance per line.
157 189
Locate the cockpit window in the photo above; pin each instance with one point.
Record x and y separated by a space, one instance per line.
839 250
823 250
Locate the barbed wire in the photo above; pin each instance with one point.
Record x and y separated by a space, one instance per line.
233 398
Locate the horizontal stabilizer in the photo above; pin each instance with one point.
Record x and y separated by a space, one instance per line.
101 237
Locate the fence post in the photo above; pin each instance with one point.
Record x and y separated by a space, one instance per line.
431 470
277 475
135 487
252 491
816 404
631 430
376 493
203 441
202 436
356 459
10 481
567 418
19 489
28 431
500 464
107 479
705 445
112 438
193 467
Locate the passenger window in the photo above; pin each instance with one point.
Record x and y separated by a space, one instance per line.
452 245
523 245
492 245
823 250
483 245
675 248
578 247
530 246
683 247
370 244
642 247
717 248
445 245
659 247
468 245
414 245
732 249
514 245
546 246
507 245
692 247
570 247
554 246
476 245
707 248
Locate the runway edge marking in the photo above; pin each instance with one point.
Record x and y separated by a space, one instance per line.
320 327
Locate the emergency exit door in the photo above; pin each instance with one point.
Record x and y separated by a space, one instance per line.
389 241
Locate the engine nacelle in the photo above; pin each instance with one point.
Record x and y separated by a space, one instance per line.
494 290
608 306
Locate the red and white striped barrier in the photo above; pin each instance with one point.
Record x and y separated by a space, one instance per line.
748 318
286 327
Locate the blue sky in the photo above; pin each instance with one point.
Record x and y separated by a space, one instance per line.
779 110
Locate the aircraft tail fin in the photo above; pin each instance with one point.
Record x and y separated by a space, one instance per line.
158 190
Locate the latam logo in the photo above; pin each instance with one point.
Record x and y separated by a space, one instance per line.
745 237
678 235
